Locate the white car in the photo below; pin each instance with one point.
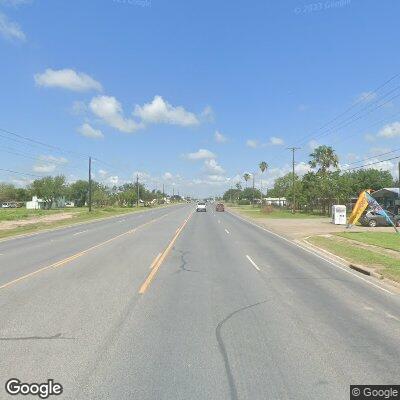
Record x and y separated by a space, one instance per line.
201 207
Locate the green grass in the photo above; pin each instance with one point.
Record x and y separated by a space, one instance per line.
14 214
387 266
387 240
255 212
79 215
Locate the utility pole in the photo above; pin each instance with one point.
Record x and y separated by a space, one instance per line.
252 201
398 208
137 187
90 184
163 193
293 149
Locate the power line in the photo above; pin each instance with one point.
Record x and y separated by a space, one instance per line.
367 165
20 173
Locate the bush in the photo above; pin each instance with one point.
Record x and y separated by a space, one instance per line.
244 202
268 209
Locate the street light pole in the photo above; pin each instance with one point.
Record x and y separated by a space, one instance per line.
137 188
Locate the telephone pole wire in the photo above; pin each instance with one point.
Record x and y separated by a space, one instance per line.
293 150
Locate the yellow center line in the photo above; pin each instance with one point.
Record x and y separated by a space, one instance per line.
80 254
155 260
160 260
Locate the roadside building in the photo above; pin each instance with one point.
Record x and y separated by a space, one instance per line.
388 198
40 204
275 201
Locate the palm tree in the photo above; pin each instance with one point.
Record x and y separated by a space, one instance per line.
263 167
246 177
324 157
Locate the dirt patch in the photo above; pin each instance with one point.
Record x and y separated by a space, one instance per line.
47 219
302 228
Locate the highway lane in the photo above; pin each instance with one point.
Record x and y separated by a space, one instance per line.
232 312
23 255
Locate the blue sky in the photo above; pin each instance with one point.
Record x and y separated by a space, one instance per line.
145 86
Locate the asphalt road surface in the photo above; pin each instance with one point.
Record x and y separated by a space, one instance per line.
173 304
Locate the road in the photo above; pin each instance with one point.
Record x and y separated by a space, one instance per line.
172 304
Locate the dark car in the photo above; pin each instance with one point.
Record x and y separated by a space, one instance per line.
219 207
372 219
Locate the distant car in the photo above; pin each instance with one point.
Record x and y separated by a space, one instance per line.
372 219
219 207
201 207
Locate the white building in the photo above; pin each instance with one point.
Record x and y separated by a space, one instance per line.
275 201
40 204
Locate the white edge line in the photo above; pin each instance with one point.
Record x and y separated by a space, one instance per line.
337 265
226 230
79 233
253 263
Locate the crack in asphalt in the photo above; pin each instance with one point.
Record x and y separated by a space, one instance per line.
56 336
224 353
182 267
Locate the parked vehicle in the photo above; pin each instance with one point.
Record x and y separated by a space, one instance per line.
201 207
219 207
372 219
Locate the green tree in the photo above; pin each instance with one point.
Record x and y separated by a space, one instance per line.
263 167
246 177
49 188
78 192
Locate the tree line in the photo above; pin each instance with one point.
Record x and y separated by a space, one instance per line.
52 188
325 184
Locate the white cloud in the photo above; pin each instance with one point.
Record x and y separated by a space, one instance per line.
10 29
366 97
201 154
113 180
53 159
213 168
88 131
110 111
44 168
252 143
312 144
168 176
219 137
207 114
275 141
102 172
160 111
390 130
67 79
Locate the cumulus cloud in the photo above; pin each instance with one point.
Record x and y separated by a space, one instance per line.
219 137
53 159
160 111
390 131
88 131
113 180
276 141
201 154
44 168
213 168
110 111
10 30
252 143
67 79
103 172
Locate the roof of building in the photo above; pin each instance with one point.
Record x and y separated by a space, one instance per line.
386 192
